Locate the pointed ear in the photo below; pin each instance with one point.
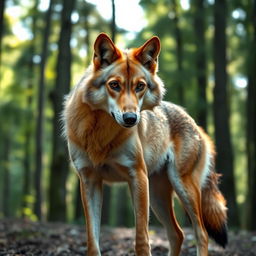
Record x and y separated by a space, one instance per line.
105 52
148 53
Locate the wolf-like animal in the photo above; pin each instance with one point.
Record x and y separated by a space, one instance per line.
119 129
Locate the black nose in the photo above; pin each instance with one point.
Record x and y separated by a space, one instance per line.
129 118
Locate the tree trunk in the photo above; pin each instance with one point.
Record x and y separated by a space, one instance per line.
60 163
124 217
201 67
105 218
179 52
40 113
6 175
113 22
27 164
28 127
251 129
2 7
224 163
88 44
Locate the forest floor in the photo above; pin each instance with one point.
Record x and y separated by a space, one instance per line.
19 237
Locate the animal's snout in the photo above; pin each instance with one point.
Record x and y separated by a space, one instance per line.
129 118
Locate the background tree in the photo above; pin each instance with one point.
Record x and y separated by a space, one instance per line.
6 172
2 7
179 50
224 161
28 127
6 176
60 164
251 124
201 66
8 111
123 212
40 112
113 22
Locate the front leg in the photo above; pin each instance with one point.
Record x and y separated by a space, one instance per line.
140 194
91 193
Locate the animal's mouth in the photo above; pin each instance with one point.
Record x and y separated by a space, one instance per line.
128 125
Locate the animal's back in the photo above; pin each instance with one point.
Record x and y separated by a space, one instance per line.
169 128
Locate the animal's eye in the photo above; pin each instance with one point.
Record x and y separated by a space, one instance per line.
140 86
114 85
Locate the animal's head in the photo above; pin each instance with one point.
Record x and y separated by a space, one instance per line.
124 82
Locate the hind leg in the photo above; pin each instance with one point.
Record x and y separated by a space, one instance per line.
162 205
188 190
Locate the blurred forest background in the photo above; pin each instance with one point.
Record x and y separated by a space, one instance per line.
208 64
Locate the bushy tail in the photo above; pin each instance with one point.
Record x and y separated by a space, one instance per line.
214 210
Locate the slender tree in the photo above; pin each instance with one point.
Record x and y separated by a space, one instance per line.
87 42
27 145
6 175
179 50
8 112
123 216
251 127
40 112
29 108
225 159
106 209
60 164
2 7
86 11
201 67
113 22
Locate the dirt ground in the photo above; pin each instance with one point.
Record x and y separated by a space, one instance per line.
19 237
